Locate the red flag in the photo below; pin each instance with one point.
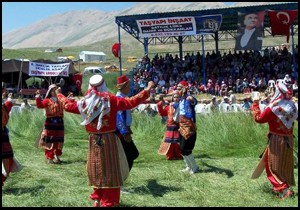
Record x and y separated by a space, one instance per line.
281 21
77 79
116 50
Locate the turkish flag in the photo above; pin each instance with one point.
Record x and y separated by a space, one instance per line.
77 79
116 50
281 21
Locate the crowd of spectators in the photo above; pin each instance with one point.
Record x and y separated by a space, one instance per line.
238 71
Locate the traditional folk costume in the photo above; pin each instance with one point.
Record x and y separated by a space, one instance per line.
52 137
170 142
277 158
107 167
9 163
124 121
187 127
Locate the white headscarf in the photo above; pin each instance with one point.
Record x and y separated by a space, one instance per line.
93 105
285 109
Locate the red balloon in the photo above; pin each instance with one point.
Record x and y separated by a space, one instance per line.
116 50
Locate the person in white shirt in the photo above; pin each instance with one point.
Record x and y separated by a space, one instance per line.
295 87
161 82
25 105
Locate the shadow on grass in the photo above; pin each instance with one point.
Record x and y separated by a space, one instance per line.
216 170
34 191
155 189
209 168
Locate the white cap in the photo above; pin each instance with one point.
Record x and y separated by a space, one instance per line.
96 80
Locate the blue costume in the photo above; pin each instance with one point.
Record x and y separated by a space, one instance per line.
187 128
124 121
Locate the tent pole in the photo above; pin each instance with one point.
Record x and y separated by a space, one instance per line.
120 57
203 61
20 79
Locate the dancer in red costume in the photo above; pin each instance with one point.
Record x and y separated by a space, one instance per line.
170 143
52 137
107 166
9 163
277 158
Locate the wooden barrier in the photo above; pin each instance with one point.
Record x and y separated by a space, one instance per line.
31 92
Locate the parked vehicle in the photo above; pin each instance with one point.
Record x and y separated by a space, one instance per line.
94 70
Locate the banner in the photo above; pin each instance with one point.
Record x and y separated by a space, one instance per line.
172 26
208 24
250 31
49 70
281 21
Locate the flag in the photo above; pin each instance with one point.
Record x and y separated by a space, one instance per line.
77 79
116 50
281 21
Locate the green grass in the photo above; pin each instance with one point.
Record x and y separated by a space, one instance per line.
227 150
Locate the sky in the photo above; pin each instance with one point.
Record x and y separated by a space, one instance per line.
16 15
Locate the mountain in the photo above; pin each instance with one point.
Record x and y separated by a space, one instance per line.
85 27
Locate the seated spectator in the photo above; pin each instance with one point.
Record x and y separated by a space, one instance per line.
253 86
232 97
246 105
213 106
223 90
224 105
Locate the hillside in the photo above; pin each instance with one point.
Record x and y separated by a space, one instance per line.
85 27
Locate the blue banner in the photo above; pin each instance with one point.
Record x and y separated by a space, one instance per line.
208 24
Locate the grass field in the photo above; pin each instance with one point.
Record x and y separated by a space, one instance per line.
227 150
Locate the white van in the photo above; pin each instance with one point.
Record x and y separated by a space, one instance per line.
94 70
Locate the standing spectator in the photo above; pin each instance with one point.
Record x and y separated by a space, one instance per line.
187 127
107 167
9 163
278 158
52 137
170 144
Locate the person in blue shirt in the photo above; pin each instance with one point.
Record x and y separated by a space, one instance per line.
124 121
187 126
